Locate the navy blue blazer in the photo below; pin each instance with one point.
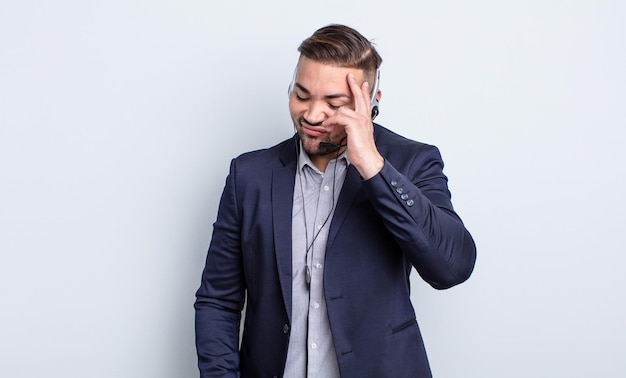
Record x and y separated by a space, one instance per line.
382 227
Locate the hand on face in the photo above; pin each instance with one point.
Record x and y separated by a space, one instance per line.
361 149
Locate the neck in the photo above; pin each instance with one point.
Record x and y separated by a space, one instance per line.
321 161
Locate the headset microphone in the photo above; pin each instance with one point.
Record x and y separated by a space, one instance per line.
331 146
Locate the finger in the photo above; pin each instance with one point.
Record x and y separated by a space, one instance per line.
342 117
360 95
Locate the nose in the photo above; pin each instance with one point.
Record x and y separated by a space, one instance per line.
315 114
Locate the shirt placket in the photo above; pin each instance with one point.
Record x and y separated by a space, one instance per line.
317 305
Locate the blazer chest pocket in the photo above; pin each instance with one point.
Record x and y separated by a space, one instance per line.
404 326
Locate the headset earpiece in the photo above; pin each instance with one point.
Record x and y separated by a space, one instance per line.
374 99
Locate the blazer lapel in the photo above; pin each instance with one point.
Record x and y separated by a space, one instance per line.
283 180
350 188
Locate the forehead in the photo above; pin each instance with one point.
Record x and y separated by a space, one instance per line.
316 75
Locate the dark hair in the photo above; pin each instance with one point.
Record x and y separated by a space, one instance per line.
342 46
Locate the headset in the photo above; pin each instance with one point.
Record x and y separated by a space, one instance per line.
373 100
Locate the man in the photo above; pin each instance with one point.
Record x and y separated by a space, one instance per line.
319 233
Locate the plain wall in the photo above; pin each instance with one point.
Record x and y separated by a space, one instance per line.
118 120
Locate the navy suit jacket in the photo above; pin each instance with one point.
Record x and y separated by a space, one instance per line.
381 228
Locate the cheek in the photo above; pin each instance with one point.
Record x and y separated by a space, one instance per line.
295 108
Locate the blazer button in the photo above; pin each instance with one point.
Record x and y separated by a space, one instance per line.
286 328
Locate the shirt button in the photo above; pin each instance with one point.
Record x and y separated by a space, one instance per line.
410 202
318 265
316 305
326 187
313 346
319 226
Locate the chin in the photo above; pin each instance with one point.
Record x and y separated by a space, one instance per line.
311 146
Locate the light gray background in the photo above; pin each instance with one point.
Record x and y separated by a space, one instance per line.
118 120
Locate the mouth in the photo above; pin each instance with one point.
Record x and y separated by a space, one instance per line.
314 131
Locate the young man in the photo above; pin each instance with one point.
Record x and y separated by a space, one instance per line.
319 233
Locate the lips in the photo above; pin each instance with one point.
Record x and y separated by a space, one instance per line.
312 130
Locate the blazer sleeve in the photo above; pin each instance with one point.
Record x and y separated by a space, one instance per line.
415 206
220 298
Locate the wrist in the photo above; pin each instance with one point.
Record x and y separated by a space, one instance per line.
371 168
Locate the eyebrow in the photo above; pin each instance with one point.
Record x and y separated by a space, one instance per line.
330 96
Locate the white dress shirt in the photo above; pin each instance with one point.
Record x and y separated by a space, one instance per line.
311 350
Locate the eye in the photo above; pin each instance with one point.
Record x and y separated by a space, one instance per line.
334 107
300 98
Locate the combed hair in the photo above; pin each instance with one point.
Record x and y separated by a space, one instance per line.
342 46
